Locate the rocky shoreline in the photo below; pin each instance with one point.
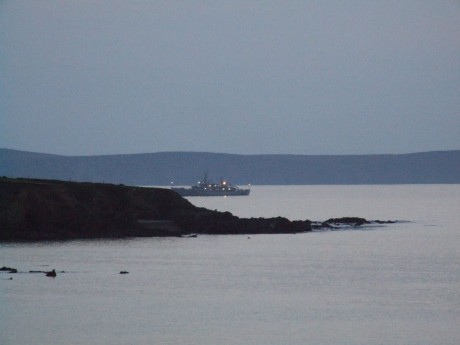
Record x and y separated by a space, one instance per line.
37 210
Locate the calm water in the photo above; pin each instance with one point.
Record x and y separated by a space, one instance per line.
398 284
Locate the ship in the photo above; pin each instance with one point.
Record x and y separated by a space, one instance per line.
206 187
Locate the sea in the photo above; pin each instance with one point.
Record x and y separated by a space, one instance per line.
392 284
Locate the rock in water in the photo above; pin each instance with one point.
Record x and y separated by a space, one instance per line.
51 273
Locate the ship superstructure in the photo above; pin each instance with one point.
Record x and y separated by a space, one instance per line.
206 187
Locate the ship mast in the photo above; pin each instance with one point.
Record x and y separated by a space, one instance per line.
205 181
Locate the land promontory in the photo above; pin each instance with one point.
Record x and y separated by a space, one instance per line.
35 210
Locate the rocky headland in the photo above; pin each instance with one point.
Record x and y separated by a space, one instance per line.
36 210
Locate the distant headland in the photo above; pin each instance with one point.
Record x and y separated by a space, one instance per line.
37 210
185 168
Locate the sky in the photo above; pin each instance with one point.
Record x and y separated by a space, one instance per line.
245 77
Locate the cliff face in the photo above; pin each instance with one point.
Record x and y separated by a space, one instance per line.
46 209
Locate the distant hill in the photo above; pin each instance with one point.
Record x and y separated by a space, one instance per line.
184 168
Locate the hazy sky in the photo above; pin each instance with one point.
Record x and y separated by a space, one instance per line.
304 77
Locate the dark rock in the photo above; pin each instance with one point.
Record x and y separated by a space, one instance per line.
51 273
383 221
213 222
356 221
8 270
350 221
124 272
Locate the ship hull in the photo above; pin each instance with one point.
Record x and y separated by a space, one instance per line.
200 192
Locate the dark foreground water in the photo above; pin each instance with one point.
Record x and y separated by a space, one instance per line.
397 284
